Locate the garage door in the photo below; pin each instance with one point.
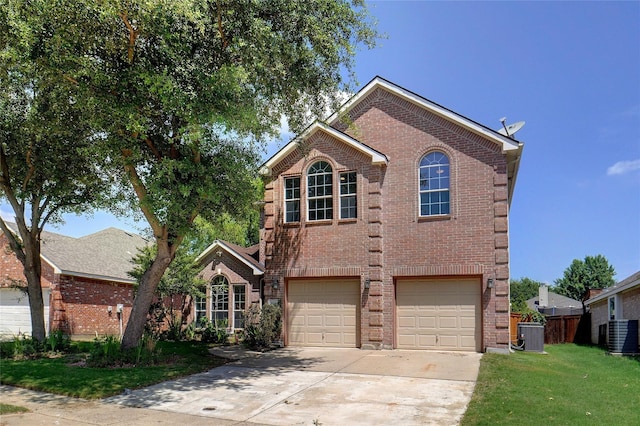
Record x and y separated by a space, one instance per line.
323 313
15 316
438 314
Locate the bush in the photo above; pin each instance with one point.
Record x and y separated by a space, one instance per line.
214 332
262 327
106 352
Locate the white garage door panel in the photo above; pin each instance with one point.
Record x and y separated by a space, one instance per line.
15 315
442 314
323 312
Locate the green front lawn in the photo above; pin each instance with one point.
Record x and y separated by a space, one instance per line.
67 374
570 385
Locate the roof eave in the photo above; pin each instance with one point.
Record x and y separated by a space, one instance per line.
222 245
377 158
507 143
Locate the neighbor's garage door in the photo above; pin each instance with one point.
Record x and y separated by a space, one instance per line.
323 313
438 314
15 316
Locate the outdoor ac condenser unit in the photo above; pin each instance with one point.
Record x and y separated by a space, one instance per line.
623 336
532 333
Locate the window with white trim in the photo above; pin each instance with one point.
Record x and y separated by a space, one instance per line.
348 196
434 181
219 299
614 307
216 307
201 308
292 199
320 191
239 305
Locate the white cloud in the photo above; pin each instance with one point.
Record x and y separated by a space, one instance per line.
622 167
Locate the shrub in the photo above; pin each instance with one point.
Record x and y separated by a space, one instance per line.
214 332
106 352
262 327
58 341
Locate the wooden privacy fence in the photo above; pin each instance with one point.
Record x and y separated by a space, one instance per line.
559 328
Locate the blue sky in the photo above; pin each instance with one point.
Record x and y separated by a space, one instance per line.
571 70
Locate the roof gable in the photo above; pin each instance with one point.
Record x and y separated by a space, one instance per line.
243 254
377 157
506 143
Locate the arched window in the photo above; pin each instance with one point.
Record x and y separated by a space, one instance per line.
219 299
320 191
434 184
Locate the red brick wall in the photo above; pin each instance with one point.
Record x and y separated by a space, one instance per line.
79 306
389 239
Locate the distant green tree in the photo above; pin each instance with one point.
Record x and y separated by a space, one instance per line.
522 290
583 275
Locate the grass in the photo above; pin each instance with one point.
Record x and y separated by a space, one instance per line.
66 374
569 385
11 409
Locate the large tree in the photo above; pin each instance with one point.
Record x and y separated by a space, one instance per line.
183 91
582 275
45 167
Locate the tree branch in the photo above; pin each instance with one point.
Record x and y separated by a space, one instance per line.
153 148
225 42
133 35
141 193
31 170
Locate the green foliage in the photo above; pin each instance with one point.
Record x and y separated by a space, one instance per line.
529 315
213 331
106 352
582 275
58 341
262 326
522 290
26 347
11 409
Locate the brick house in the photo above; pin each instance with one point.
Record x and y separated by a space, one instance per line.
619 302
387 226
234 274
85 284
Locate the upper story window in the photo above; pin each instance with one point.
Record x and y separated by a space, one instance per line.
348 199
292 199
434 184
320 191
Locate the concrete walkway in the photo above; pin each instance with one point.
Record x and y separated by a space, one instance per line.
284 387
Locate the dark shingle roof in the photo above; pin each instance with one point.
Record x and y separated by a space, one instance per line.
105 254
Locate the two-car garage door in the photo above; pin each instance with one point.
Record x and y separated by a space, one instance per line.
441 314
323 313
436 314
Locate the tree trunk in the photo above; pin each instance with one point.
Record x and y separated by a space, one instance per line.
32 268
144 297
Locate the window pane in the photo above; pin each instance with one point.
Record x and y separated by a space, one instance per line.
433 183
320 191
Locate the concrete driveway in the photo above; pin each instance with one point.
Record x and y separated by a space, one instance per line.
305 386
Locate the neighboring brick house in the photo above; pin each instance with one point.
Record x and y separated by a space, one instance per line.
84 281
234 274
388 227
619 302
